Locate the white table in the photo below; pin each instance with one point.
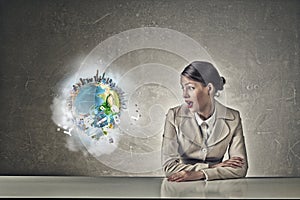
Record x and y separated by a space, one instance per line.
145 187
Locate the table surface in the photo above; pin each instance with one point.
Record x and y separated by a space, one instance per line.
145 187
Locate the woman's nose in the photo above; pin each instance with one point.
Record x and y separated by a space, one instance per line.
185 94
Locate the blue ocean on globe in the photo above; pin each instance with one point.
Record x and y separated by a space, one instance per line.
87 98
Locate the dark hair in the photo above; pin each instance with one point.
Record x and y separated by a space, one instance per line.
204 72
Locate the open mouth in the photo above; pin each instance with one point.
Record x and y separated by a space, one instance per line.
189 104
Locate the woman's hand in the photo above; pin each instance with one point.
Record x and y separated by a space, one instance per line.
234 162
186 176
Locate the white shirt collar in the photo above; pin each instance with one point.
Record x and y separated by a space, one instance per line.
210 121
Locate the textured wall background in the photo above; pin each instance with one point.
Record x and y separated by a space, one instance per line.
255 45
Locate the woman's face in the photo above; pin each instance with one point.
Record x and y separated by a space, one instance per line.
195 95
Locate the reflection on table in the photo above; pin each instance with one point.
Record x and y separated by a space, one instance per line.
207 189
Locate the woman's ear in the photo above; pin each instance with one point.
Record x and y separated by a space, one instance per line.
210 89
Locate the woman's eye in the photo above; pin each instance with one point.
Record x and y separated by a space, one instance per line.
191 88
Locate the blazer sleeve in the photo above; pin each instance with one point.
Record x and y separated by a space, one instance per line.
237 148
170 157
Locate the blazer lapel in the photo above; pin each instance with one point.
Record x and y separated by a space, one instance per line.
221 128
219 132
189 126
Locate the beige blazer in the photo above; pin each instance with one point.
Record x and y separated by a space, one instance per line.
183 147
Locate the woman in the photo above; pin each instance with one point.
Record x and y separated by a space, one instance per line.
198 133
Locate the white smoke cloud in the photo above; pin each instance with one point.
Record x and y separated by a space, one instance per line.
81 142
60 114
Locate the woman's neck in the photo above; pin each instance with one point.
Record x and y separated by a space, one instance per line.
208 111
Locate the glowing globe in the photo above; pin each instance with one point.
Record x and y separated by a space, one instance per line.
96 108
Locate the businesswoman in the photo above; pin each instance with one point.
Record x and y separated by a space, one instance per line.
198 133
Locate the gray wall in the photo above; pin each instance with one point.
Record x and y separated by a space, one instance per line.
255 45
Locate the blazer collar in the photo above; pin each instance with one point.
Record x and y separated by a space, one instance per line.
192 130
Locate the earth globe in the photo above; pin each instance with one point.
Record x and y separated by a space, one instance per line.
95 106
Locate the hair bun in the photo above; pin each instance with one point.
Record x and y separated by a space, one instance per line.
222 82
